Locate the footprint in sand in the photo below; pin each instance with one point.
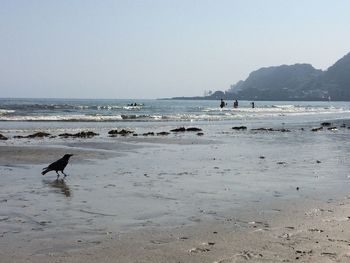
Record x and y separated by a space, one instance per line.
247 255
198 250
201 250
329 254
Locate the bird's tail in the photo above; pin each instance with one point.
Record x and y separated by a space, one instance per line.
45 170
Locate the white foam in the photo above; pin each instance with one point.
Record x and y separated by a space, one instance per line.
200 114
3 111
62 118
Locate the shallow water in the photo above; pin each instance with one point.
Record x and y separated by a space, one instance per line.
167 181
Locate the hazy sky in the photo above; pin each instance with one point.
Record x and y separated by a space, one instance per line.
160 48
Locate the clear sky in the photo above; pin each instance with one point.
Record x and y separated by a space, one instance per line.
160 48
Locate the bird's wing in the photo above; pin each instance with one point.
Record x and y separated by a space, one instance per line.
55 165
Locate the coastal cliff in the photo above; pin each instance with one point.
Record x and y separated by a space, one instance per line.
291 82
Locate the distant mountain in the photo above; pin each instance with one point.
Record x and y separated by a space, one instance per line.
336 80
277 83
292 82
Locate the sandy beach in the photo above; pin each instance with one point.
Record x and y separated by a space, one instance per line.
315 232
227 196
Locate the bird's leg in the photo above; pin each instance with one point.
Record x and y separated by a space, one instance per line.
58 175
65 175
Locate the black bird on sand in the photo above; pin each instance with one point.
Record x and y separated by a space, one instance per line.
57 166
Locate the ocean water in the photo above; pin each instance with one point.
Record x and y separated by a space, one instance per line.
21 111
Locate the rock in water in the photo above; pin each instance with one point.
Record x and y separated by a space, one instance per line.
2 137
194 129
239 128
181 129
34 135
163 133
326 124
122 132
82 134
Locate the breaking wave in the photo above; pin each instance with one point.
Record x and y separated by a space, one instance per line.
4 112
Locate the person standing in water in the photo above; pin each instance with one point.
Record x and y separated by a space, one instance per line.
235 104
253 104
222 104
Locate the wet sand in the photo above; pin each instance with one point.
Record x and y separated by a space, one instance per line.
229 197
311 233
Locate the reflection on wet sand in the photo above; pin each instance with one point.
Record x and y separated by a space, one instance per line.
59 186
